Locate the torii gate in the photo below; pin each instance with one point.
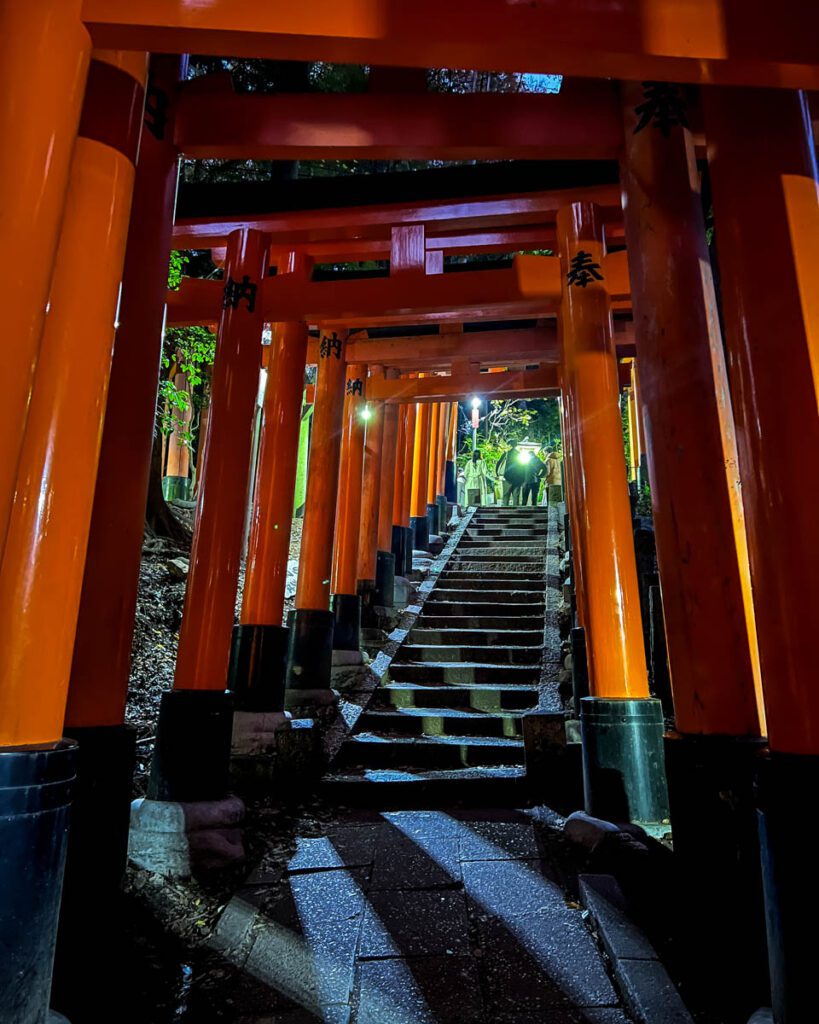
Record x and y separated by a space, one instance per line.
71 122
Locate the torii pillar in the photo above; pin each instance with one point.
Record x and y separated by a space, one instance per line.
700 532
621 725
346 599
259 651
371 557
45 51
192 752
391 451
41 572
310 647
419 519
402 537
765 186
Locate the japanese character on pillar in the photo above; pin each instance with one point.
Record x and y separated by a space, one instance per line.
583 269
330 346
157 103
663 106
355 387
240 291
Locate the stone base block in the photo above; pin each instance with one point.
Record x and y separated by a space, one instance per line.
305 703
178 839
350 677
254 732
344 659
403 592
292 762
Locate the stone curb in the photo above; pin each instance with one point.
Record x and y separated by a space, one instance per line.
355 701
643 981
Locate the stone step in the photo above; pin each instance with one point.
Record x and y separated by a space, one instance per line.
501 655
493 561
491 697
376 750
499 580
476 637
487 622
462 673
443 721
483 596
504 534
483 786
435 607
502 543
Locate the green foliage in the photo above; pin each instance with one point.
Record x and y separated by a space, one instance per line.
644 502
626 432
188 350
510 421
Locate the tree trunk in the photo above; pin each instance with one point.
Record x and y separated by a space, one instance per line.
159 517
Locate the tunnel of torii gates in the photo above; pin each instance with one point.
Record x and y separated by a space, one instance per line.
727 403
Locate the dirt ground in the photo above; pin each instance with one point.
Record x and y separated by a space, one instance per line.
162 583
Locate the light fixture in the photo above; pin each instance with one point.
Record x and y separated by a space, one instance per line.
366 412
476 402
524 457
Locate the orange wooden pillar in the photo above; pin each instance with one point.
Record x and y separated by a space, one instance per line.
195 720
98 686
371 566
346 601
622 727
259 653
450 489
392 449
310 648
419 520
435 424
401 531
42 566
701 546
763 171
44 55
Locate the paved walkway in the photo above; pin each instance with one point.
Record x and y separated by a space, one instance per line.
417 917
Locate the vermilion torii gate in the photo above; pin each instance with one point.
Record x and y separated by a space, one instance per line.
728 392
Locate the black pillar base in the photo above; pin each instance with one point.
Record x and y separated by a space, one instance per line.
398 547
716 850
97 856
366 594
420 533
432 519
101 809
441 502
35 793
786 789
450 483
192 752
623 765
346 622
384 579
258 663
409 544
580 667
310 649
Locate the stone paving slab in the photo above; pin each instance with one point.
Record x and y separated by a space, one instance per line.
413 930
407 924
434 990
401 864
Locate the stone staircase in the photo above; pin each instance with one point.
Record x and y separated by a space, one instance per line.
449 719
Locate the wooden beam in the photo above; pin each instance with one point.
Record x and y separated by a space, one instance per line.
582 122
742 42
440 217
382 300
504 384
